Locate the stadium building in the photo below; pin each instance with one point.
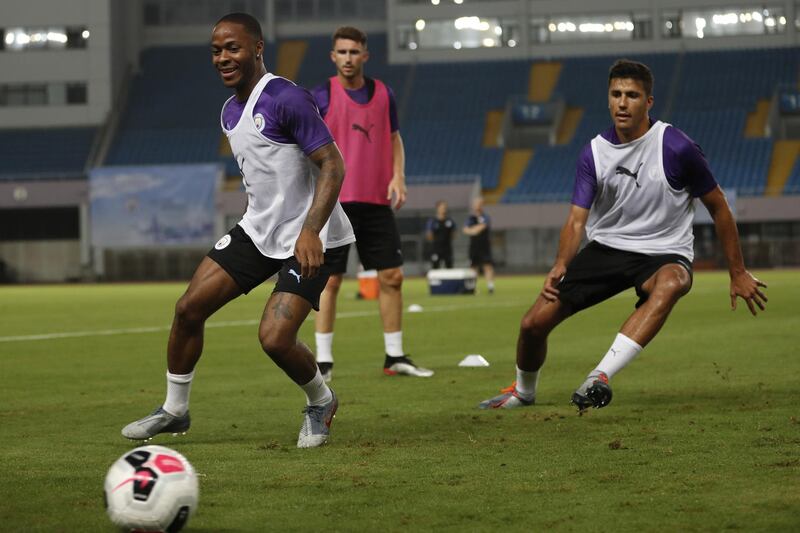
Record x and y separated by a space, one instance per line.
113 166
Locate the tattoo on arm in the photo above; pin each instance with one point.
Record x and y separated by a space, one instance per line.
329 183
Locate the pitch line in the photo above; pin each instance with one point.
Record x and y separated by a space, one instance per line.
233 323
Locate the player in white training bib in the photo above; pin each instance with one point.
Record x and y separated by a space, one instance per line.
634 191
294 227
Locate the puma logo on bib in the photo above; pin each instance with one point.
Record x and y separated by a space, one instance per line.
365 131
626 172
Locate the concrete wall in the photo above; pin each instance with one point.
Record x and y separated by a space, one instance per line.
91 65
41 261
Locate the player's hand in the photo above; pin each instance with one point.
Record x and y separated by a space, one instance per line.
551 281
308 252
748 288
397 188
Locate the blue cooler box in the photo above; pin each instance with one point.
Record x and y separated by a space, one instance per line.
452 281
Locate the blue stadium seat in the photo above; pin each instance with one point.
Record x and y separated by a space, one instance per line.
173 109
793 183
44 153
715 91
172 116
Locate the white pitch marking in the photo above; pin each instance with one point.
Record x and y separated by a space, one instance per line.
229 323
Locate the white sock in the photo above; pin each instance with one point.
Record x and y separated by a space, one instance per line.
527 383
622 352
317 392
178 388
324 347
490 285
394 344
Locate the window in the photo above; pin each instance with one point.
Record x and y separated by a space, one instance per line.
197 12
76 93
151 14
23 94
325 10
50 38
720 22
797 16
463 32
671 26
41 94
577 28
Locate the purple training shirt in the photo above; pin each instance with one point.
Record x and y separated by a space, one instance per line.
322 95
290 116
685 166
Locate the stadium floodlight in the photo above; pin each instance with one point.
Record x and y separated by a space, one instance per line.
57 37
420 25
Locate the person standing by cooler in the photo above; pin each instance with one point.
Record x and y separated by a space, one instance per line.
480 245
439 232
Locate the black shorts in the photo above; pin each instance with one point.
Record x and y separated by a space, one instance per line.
249 268
377 238
480 255
442 256
599 272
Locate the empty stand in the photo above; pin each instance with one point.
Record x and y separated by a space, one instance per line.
44 153
448 112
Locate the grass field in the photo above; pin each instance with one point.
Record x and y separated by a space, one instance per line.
703 433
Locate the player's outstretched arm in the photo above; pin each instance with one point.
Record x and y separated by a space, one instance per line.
568 243
743 284
397 187
308 248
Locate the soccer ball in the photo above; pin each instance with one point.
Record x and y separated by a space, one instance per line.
151 488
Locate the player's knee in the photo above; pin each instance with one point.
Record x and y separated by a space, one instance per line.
672 285
333 285
187 313
391 278
275 344
533 325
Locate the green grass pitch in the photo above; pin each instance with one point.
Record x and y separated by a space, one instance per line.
703 433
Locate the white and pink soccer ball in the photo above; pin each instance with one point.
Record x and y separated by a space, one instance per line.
151 488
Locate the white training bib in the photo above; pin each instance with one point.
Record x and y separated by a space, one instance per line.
279 180
635 208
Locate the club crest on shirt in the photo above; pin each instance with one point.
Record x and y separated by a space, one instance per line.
223 242
258 118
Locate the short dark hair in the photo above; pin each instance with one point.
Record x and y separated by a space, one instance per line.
351 33
248 21
625 68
